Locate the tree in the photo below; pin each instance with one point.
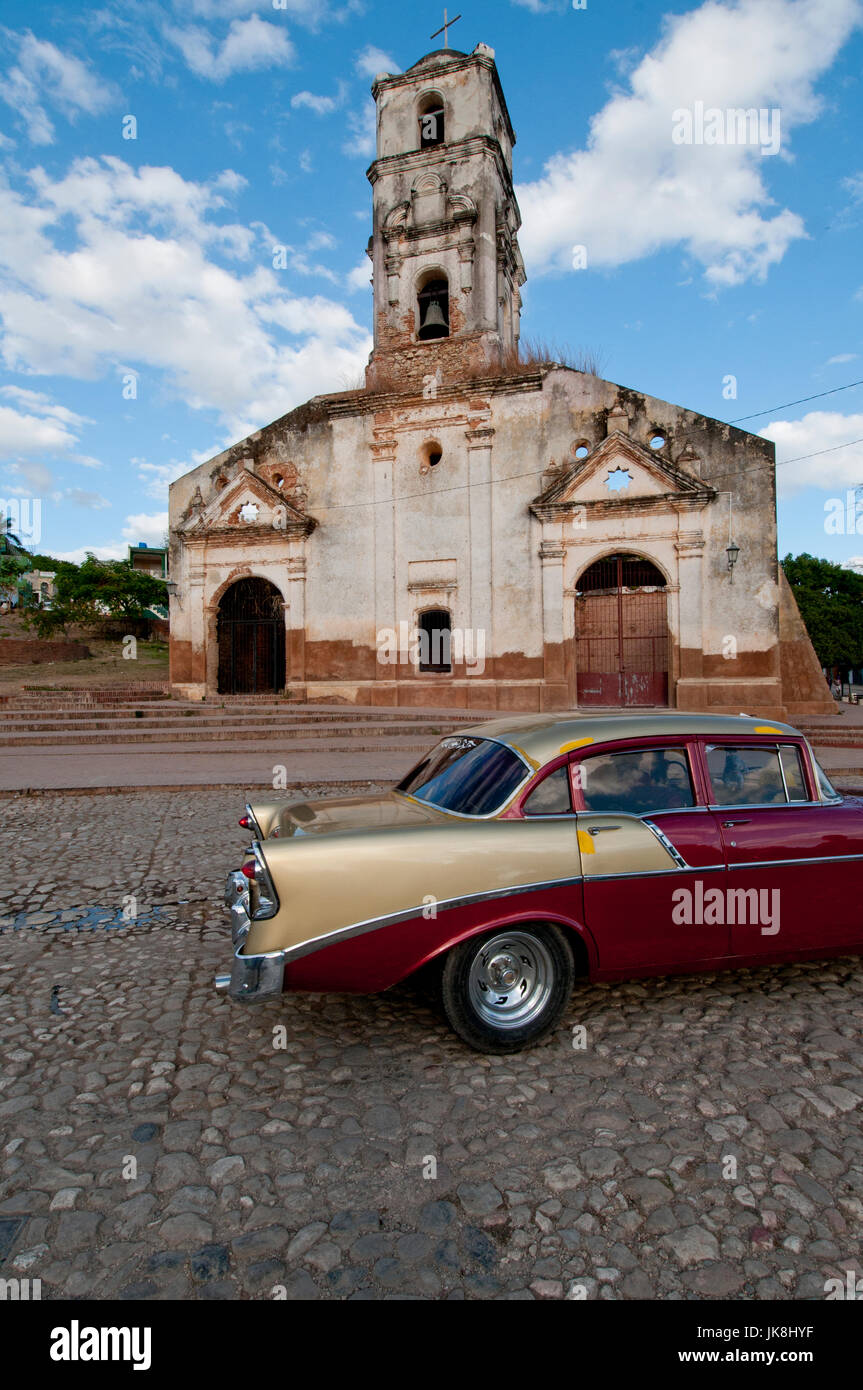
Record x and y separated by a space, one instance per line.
95 592
14 559
830 600
107 589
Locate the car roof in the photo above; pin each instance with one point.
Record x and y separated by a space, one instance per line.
541 737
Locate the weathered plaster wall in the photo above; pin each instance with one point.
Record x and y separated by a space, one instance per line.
394 536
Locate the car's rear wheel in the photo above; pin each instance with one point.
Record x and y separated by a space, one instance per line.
507 989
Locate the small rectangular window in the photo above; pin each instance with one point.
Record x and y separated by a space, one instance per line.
637 782
551 797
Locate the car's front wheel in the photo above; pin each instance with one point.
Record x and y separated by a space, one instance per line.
506 989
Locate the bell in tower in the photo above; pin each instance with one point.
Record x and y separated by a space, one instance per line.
447 265
433 303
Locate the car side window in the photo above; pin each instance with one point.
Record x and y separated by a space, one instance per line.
745 775
551 797
792 767
637 781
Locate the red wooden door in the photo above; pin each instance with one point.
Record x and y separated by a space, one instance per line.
621 630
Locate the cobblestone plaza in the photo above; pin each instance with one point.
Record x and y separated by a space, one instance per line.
674 1138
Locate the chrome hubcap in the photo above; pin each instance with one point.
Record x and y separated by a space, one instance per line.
510 980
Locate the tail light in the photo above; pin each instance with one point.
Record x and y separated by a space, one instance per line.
265 901
245 822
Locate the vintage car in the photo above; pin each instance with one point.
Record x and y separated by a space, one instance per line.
520 854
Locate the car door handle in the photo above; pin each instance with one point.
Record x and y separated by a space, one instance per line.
729 823
598 829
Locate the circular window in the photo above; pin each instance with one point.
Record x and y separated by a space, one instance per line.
582 451
657 441
431 454
279 481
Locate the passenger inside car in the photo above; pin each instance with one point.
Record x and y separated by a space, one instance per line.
636 782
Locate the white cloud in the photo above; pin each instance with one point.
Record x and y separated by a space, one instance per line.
542 6
42 76
310 13
33 478
854 184
360 277
842 357
363 128
43 433
93 501
157 477
111 550
373 60
817 431
250 44
146 526
632 191
108 269
149 527
322 106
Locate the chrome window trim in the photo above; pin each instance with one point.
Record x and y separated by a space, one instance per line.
781 863
658 873
666 844
761 805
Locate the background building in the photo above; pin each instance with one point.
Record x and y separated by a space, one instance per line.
473 527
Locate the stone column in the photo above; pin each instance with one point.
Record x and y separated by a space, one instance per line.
480 607
551 556
383 492
687 632
295 615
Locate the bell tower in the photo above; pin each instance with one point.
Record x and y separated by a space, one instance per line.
447 266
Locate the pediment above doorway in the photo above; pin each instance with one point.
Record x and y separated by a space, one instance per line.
620 475
247 505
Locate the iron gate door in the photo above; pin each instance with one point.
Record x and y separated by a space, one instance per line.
251 635
621 630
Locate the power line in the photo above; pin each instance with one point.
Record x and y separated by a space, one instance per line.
536 473
803 400
819 452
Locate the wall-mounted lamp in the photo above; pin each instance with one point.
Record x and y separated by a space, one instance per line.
732 551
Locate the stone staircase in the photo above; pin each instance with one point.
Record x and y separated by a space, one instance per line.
71 740
136 736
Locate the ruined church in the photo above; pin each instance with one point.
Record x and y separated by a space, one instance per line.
474 528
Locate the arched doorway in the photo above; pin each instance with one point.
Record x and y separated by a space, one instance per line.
251 637
621 633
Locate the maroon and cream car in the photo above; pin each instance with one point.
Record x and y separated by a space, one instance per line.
523 853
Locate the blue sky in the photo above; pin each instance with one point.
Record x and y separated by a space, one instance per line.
145 327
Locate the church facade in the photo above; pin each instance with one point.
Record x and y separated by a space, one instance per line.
473 528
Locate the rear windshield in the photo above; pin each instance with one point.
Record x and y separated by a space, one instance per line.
472 776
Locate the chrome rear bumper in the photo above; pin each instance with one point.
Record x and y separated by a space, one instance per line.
253 979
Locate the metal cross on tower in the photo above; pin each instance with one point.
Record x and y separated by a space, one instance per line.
447 24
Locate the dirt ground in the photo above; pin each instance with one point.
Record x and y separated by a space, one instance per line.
106 667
